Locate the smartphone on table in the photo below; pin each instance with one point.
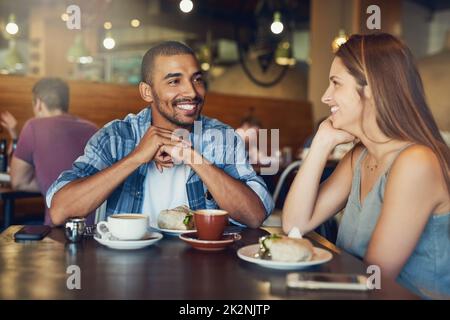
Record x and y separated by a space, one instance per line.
32 233
332 281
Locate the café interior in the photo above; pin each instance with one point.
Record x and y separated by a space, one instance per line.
264 61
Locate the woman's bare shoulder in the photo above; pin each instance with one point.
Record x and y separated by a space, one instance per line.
418 172
418 157
418 163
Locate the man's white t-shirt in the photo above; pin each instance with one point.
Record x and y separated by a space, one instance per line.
164 190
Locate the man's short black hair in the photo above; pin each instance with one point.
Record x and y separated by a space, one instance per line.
167 48
54 92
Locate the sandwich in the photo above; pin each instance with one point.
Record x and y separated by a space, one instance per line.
179 218
283 248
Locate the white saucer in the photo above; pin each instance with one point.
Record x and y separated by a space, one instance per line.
149 239
209 245
171 232
249 253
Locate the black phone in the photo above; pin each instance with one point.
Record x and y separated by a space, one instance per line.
32 233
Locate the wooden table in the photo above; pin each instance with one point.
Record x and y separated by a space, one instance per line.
170 269
9 196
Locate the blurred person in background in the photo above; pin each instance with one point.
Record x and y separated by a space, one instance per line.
248 131
50 142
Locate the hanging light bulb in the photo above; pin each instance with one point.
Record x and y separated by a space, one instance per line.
339 40
109 42
205 66
64 17
12 28
186 6
283 54
204 55
277 26
135 23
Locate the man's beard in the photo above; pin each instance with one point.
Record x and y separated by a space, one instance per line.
172 118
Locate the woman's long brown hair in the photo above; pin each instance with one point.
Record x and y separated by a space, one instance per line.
385 64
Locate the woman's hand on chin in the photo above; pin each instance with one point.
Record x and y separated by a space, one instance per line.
328 135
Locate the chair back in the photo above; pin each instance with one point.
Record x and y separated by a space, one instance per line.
283 178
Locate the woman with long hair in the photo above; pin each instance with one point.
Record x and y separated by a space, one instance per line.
395 183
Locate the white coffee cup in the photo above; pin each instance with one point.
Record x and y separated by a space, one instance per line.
124 226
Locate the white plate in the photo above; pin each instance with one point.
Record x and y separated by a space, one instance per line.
247 253
172 232
130 244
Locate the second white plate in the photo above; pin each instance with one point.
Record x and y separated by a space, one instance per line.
248 253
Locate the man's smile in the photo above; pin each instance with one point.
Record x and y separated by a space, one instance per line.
188 108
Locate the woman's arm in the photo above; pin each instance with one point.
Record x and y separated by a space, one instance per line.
307 205
415 188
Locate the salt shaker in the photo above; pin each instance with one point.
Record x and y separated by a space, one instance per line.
74 229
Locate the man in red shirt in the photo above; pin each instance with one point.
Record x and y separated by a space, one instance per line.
49 143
